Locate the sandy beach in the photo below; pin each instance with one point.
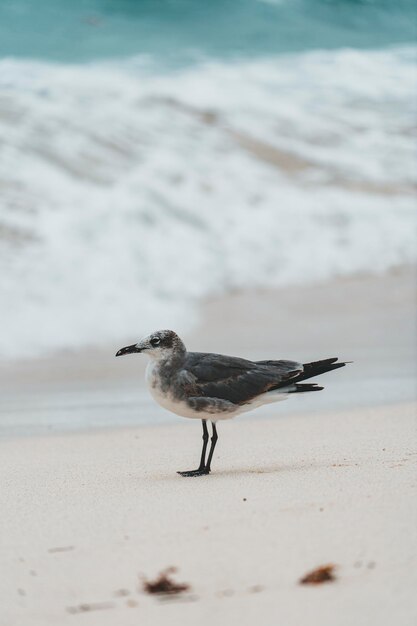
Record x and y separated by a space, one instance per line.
328 479
243 174
84 517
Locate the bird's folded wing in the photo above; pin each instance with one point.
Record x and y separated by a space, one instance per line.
233 379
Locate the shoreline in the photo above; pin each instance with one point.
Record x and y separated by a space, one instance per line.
366 319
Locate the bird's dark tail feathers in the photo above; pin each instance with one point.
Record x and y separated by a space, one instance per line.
310 370
306 387
318 367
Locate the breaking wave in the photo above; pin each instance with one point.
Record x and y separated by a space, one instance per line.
128 193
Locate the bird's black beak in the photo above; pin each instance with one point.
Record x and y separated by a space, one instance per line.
128 350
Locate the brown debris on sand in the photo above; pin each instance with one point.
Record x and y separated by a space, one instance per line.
164 585
322 574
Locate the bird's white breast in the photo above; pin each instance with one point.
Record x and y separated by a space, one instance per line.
166 399
179 407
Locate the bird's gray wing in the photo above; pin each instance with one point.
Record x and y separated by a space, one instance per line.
232 379
282 365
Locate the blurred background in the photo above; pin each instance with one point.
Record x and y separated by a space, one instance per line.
159 153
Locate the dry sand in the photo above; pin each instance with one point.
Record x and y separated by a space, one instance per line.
85 515
328 479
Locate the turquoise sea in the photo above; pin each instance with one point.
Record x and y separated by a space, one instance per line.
176 31
172 150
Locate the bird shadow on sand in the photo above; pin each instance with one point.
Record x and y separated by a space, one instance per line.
275 468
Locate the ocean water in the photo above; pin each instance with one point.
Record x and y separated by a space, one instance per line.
181 31
156 153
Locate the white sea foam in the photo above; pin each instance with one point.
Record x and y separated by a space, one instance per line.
128 194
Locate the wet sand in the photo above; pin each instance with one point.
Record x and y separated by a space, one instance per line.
370 320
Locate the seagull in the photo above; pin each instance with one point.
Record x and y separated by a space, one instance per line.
213 387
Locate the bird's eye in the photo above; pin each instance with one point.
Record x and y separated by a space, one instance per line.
155 341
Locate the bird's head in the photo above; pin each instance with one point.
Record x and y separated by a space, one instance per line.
160 345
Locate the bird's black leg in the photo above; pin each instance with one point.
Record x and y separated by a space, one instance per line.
201 470
213 445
